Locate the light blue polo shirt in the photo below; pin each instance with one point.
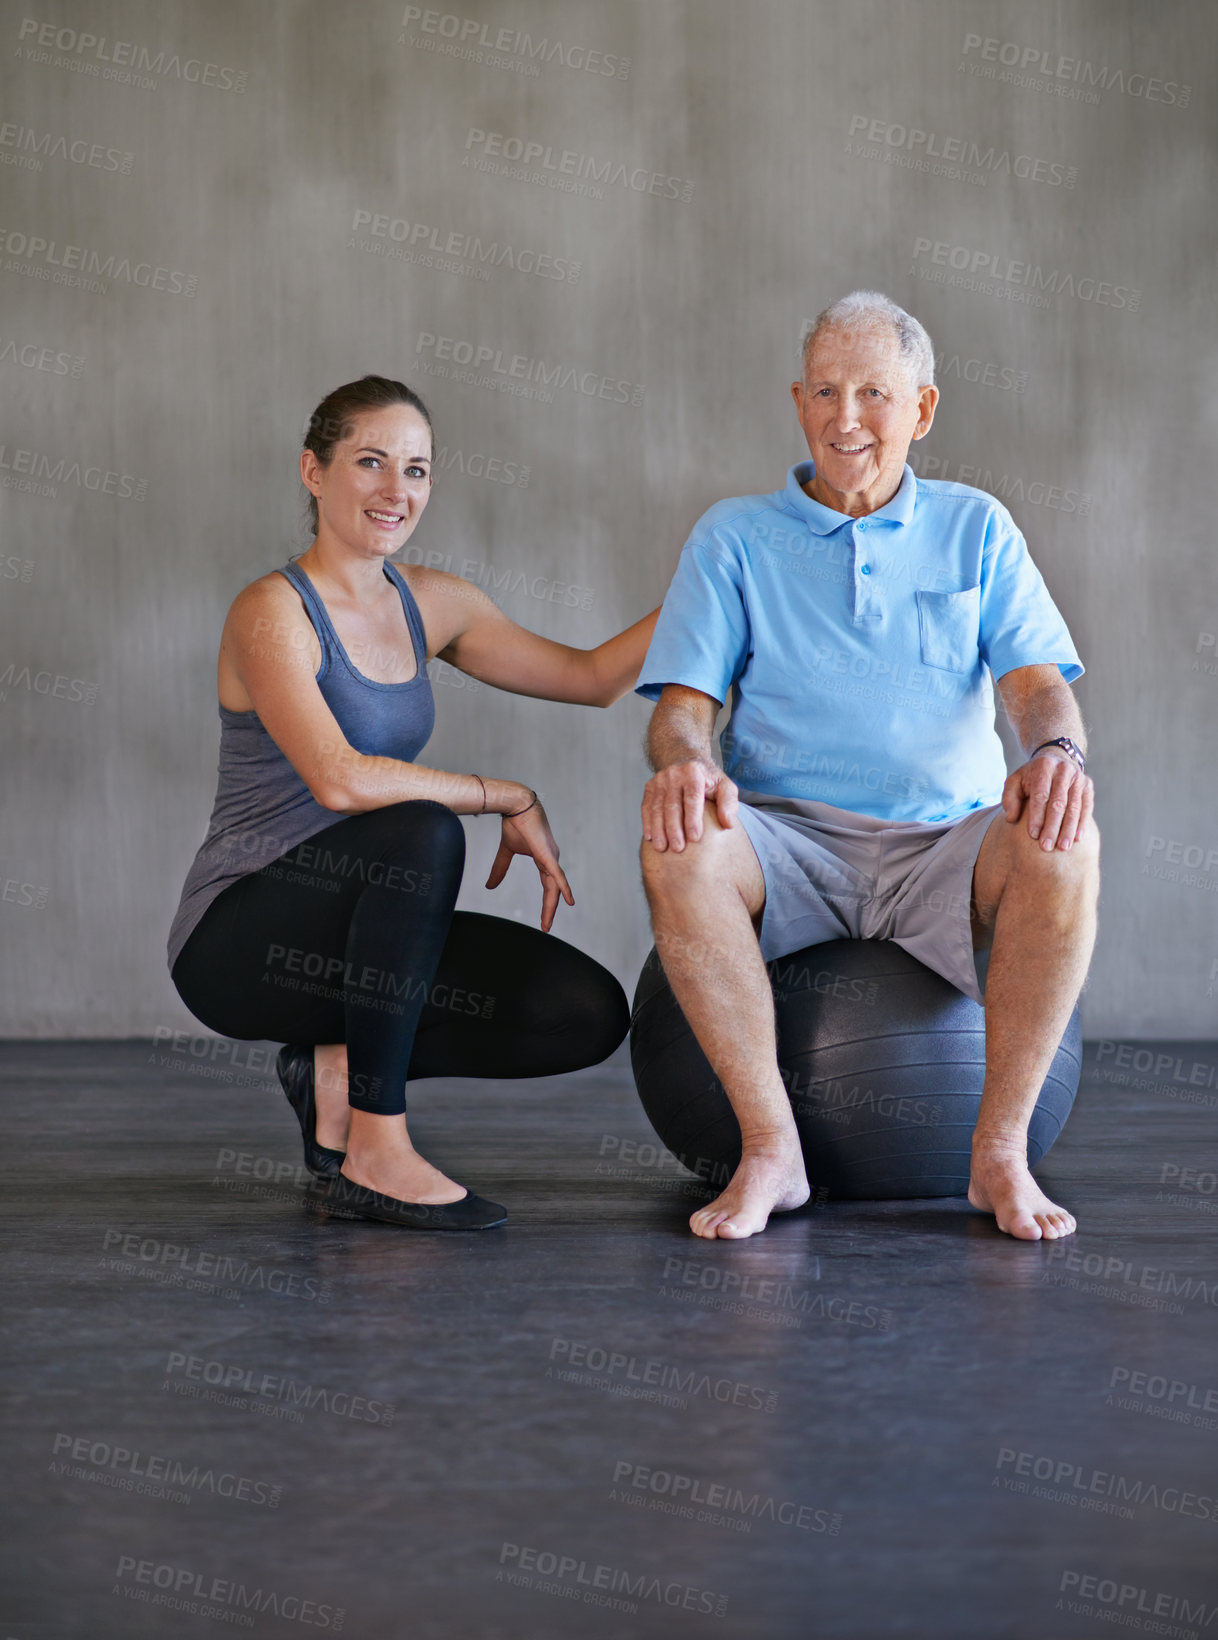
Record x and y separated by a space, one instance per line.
862 651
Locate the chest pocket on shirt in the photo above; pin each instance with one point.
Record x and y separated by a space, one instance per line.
948 626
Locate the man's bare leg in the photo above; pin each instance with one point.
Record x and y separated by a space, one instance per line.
703 900
1041 906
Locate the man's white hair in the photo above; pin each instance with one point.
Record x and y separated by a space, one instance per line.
871 310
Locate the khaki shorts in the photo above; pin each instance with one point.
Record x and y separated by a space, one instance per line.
834 875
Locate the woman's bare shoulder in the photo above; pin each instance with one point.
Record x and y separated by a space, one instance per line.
442 588
271 596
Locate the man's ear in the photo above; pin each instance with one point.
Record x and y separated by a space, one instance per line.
928 398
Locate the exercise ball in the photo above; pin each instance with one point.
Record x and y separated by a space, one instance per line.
883 1061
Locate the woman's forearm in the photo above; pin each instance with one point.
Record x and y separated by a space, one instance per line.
351 782
617 662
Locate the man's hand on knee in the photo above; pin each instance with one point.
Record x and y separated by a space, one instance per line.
675 798
1058 796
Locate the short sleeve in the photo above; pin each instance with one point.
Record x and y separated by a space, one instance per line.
701 639
1020 623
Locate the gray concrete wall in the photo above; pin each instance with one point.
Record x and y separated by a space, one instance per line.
761 160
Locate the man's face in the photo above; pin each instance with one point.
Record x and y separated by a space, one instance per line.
860 412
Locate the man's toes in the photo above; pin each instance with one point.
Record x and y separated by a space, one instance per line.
724 1224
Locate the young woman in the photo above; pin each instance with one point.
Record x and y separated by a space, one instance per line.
319 909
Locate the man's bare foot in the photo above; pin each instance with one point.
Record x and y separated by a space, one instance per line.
765 1182
330 1095
1000 1184
381 1157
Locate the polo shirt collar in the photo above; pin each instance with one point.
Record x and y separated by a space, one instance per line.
823 520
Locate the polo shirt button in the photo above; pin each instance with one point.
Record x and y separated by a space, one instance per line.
866 569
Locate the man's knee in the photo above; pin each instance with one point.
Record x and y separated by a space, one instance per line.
1087 846
677 871
1072 869
721 861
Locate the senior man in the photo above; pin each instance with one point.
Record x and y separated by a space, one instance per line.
861 616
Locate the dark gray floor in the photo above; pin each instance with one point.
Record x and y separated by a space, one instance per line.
595 1429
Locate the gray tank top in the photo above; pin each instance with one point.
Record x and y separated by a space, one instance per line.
263 807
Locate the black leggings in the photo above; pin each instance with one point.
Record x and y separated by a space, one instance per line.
352 937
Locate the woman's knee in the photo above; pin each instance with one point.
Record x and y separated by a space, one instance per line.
602 1017
435 822
584 1014
415 840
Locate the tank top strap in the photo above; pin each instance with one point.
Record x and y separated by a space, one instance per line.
326 635
414 619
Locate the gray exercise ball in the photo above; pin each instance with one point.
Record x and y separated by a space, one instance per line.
883 1061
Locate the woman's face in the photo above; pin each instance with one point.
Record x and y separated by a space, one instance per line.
372 493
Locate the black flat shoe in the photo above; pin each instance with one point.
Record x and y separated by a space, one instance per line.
295 1067
344 1199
